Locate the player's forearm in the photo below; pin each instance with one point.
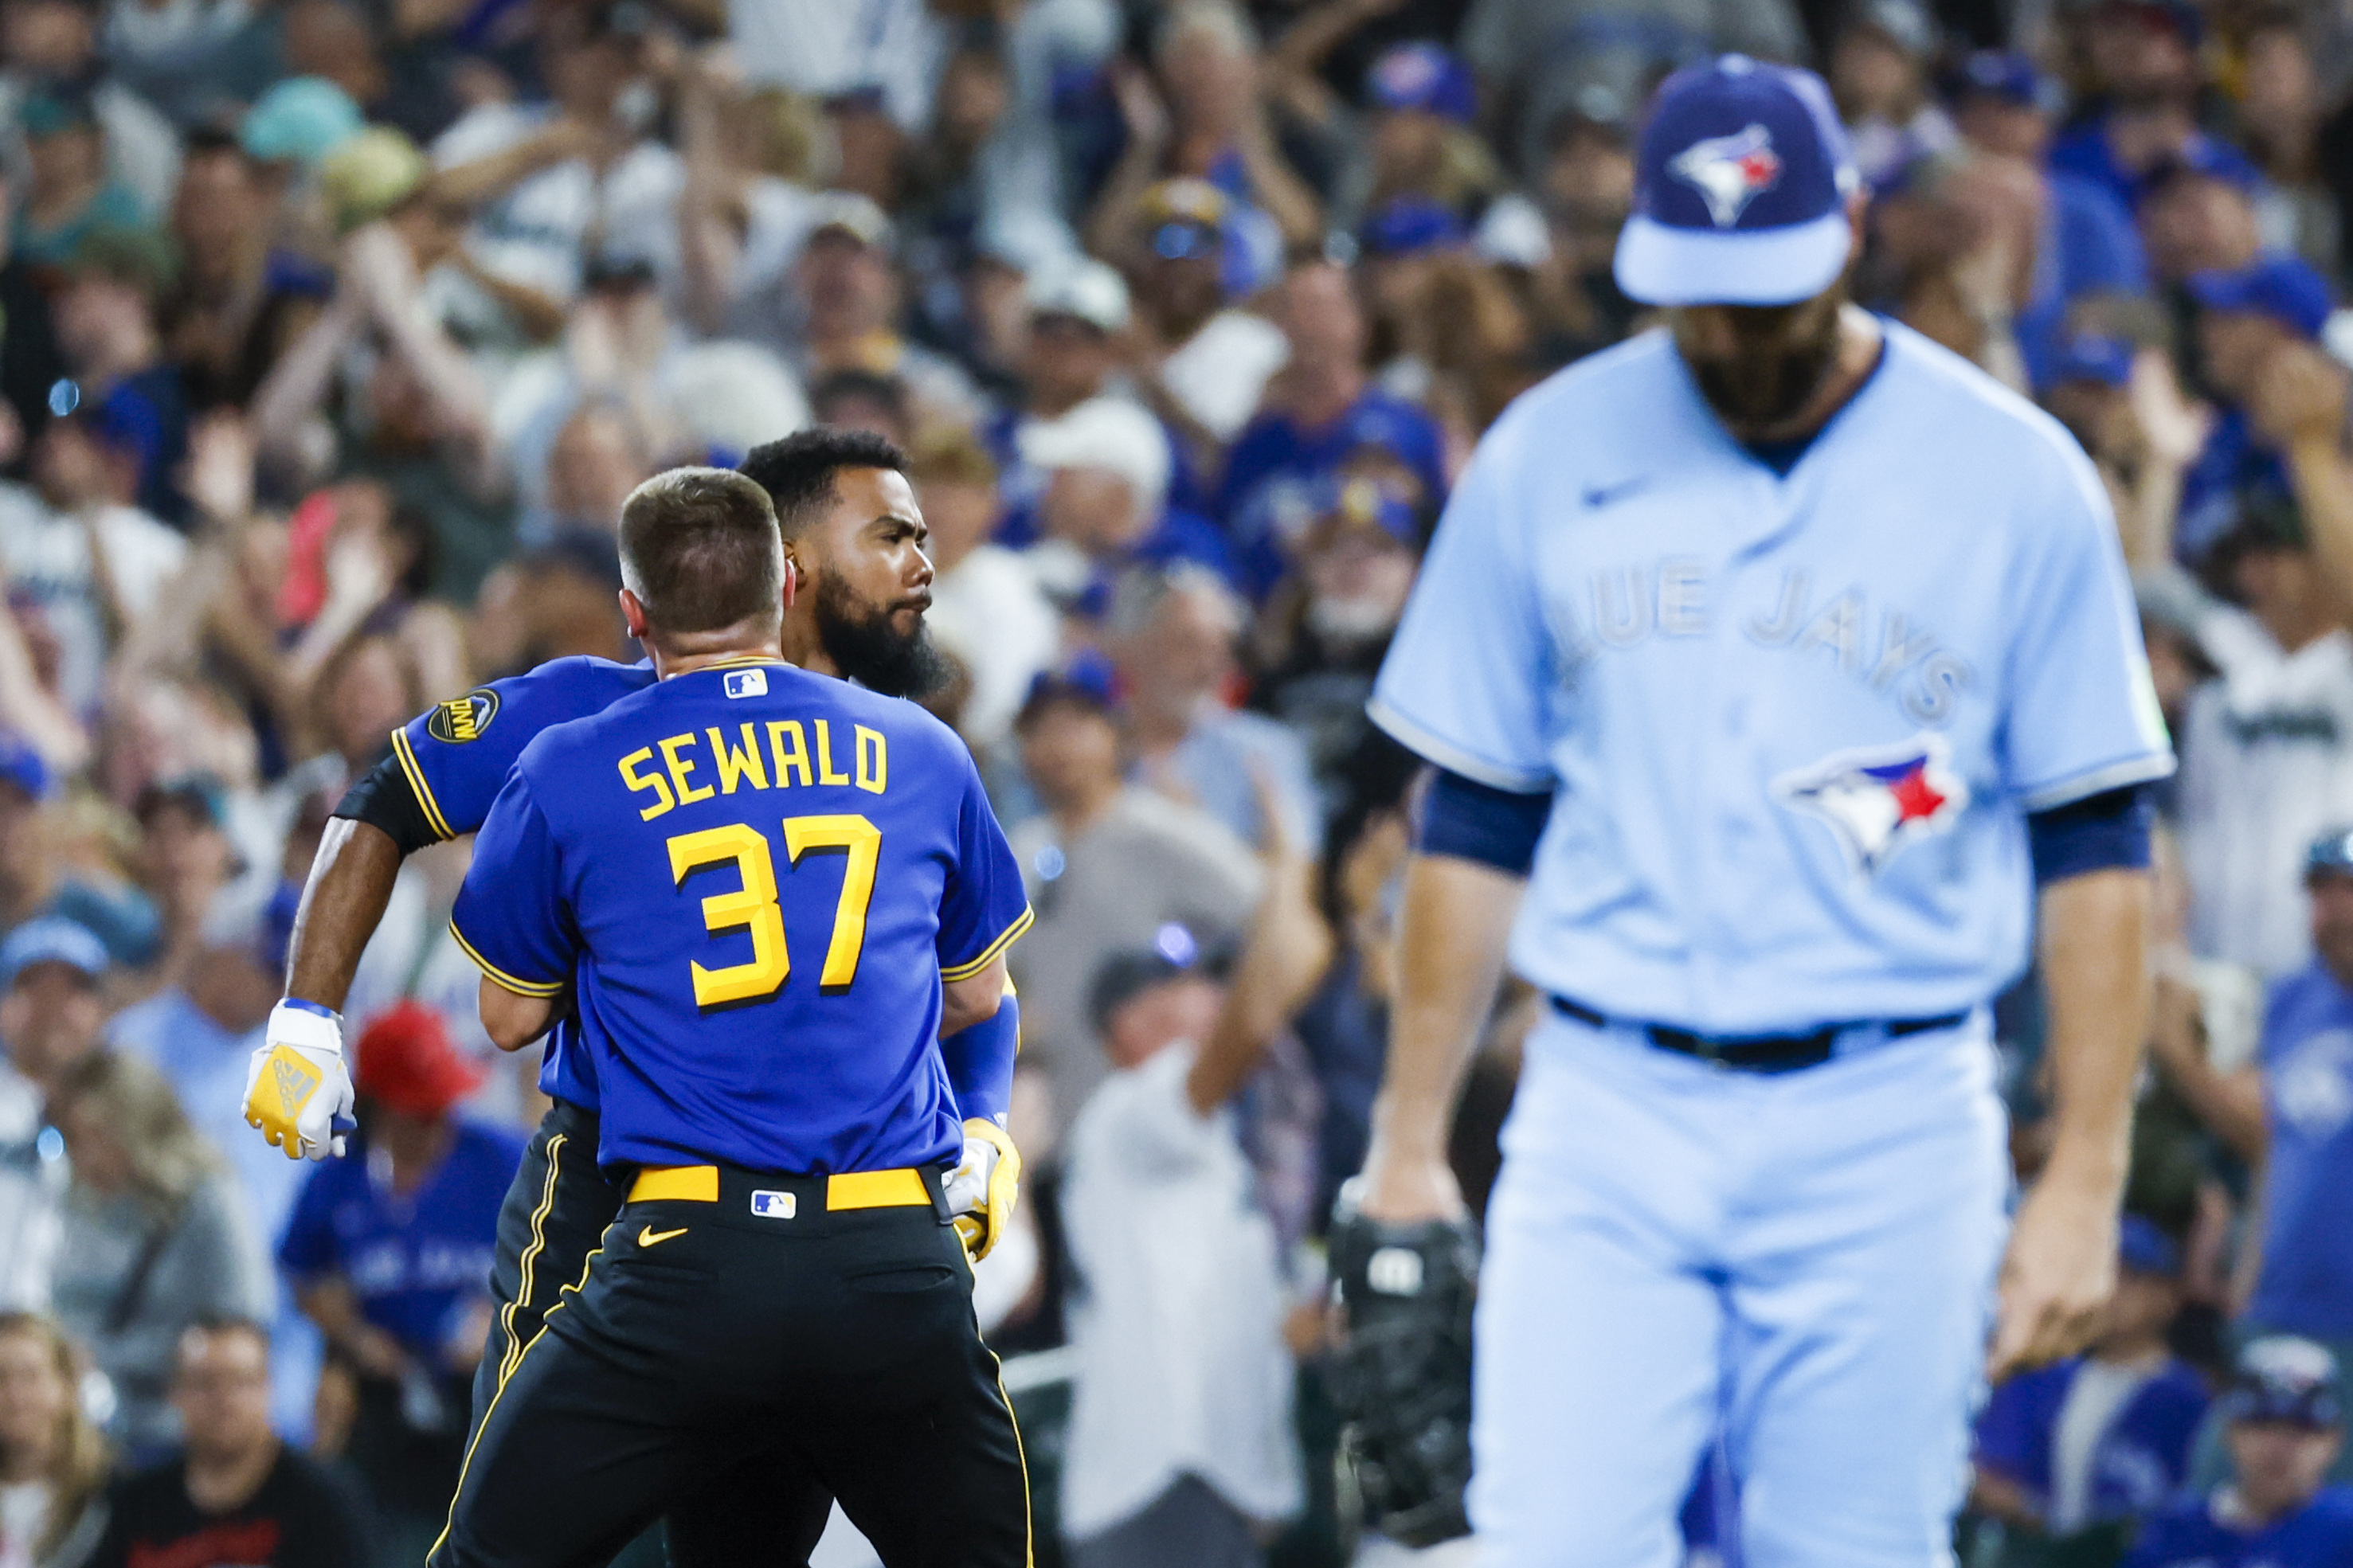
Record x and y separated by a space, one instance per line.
2095 978
979 1060
350 881
1451 936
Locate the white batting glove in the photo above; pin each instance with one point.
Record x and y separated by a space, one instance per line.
297 1085
982 1191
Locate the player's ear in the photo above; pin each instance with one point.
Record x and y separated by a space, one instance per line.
633 613
792 578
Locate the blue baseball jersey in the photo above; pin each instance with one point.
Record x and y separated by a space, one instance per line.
2306 1285
753 879
456 754
2317 1535
418 1262
1793 723
2139 1461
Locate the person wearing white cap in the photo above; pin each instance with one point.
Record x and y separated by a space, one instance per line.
1781 677
1106 464
1079 318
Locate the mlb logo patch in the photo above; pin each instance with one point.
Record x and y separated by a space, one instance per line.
772 1205
1729 172
1878 799
747 683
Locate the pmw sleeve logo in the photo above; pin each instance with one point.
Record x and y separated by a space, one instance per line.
463 719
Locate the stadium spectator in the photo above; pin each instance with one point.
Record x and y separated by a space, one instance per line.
1203 362
2143 58
115 278
1320 416
2306 1283
389 1250
1174 632
232 1492
160 1237
51 1011
242 297
2265 767
53 1462
2281 397
2097 1441
1111 868
1077 317
1180 1430
987 608
2286 1426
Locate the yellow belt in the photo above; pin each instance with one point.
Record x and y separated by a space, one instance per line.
901 1188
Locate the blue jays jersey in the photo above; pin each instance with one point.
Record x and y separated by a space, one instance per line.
754 880
1792 724
456 755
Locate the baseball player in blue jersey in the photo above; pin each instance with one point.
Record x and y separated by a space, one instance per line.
864 579
758 889
1775 666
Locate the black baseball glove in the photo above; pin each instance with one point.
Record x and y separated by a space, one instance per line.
1401 1375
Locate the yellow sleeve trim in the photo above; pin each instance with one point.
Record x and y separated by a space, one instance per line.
520 987
408 755
988 954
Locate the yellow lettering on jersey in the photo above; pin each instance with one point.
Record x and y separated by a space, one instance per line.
826 772
638 781
734 766
873 761
680 768
795 761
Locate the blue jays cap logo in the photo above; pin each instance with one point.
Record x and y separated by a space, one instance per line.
1878 799
1729 172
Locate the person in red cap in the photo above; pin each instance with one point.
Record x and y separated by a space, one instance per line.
388 1252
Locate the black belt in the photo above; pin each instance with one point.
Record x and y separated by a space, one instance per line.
1756 1053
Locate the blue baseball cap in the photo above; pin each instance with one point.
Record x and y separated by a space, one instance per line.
1741 188
23 766
2331 852
2283 1378
2142 1248
2094 357
2004 74
2202 157
1406 226
1424 77
51 939
2287 288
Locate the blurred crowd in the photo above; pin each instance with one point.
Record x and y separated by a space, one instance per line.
333 333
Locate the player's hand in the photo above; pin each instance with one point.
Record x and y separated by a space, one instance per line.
1400 1189
297 1085
2059 1274
982 1191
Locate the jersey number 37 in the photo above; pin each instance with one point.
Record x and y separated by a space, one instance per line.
752 908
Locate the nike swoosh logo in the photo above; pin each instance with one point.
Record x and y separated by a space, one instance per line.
1602 495
649 1237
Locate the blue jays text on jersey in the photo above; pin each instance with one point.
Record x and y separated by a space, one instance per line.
455 756
755 879
1792 722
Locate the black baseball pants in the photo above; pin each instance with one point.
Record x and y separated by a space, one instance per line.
833 1346
759 1513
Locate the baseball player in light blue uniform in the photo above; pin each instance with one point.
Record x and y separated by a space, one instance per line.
1787 660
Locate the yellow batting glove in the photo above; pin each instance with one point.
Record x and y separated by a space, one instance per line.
982 1191
297 1085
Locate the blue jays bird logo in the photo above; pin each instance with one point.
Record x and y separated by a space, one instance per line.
1878 799
1729 172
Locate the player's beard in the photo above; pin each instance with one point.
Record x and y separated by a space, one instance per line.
1762 387
866 648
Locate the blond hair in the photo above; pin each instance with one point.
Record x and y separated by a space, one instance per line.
79 1461
169 1158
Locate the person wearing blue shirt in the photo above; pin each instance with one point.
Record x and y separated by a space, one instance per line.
2286 1426
387 1252
2248 323
2100 1439
2305 1284
1322 416
772 1085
